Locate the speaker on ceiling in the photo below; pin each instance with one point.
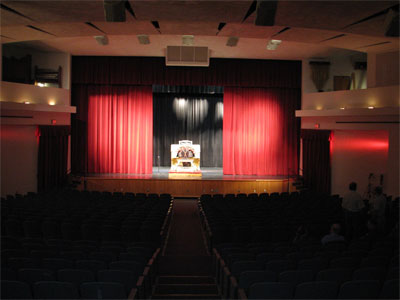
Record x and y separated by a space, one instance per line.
265 12
114 10
392 23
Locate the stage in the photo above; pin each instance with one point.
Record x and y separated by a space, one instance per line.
211 181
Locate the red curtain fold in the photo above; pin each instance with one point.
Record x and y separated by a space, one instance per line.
120 129
317 160
260 131
110 70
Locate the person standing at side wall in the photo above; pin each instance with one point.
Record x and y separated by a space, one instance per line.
353 206
378 208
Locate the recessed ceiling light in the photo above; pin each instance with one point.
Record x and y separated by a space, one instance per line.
371 107
342 108
232 41
273 44
143 39
101 40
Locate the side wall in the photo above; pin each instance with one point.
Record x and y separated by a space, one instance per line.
355 155
19 155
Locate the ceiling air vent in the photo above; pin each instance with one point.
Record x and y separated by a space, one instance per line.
187 56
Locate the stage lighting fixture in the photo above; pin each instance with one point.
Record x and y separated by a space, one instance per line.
101 40
232 41
188 40
273 44
143 39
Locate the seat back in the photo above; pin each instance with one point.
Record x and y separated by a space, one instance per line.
359 289
103 290
11 289
369 274
75 276
271 290
55 290
127 278
248 278
32 276
316 290
240 266
390 290
338 275
296 277
279 266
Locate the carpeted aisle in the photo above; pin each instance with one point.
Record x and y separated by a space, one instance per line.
185 233
185 269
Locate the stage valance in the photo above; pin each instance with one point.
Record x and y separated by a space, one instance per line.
110 70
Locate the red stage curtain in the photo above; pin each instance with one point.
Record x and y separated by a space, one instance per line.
317 160
260 131
120 129
52 156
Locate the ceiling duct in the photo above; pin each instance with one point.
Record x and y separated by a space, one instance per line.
392 23
265 12
187 56
187 40
114 10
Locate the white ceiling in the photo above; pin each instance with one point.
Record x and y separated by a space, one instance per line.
313 25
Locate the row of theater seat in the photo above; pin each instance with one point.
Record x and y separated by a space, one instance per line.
282 268
76 215
47 262
236 269
268 217
136 277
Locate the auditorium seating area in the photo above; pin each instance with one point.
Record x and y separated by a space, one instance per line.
256 254
73 244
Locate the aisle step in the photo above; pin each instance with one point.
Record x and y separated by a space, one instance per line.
185 296
199 288
185 265
186 280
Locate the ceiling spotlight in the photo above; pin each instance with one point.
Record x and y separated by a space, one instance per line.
342 108
371 107
143 39
273 44
187 40
101 40
232 41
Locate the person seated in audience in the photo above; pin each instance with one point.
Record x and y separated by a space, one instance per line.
378 208
353 206
333 236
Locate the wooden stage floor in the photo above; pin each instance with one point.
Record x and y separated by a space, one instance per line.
211 181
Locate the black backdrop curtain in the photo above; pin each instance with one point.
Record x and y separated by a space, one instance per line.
188 117
80 99
53 156
152 70
317 160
